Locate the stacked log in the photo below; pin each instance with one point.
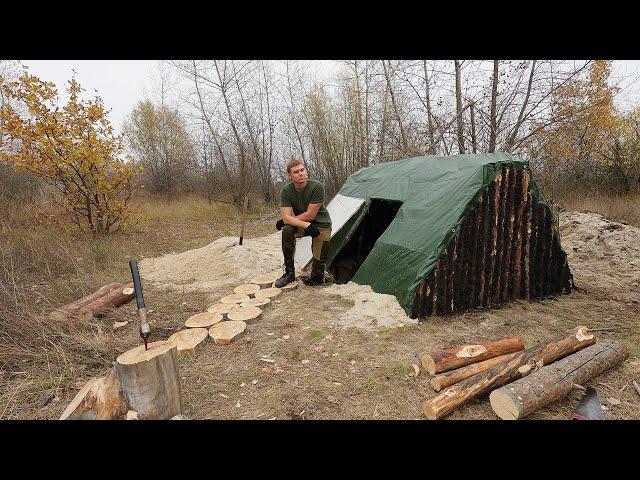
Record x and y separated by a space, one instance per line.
97 303
520 365
554 382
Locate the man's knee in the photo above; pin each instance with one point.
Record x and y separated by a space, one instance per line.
289 230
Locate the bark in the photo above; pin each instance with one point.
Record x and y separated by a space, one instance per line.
149 380
113 299
519 366
459 107
447 379
474 145
452 358
554 382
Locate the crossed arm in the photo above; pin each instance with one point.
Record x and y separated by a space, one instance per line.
304 219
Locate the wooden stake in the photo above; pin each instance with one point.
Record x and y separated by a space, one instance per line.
244 217
553 382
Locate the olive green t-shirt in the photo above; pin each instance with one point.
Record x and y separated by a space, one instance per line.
299 200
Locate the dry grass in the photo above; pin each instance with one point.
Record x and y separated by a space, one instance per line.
320 371
620 208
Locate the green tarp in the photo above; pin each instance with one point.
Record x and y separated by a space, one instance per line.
436 193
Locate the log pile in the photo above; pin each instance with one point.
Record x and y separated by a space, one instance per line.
520 381
97 303
505 248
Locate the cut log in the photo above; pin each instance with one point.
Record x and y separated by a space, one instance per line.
203 320
99 399
554 382
256 302
268 292
113 299
187 340
247 289
266 279
522 364
224 332
221 308
235 298
455 357
244 314
447 379
149 380
78 307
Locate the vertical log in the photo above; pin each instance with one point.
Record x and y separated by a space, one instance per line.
495 294
453 256
459 268
494 237
487 233
521 236
436 287
540 254
508 238
528 232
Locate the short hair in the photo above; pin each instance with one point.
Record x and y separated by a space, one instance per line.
292 164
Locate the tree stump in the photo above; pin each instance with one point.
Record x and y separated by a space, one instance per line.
247 289
235 298
187 340
265 280
149 380
244 314
451 358
224 332
256 302
268 292
553 382
203 320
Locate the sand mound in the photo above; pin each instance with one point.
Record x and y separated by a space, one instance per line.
221 263
370 310
602 254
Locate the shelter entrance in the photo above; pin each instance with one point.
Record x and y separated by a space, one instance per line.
379 216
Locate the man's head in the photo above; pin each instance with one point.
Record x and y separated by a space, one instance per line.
297 173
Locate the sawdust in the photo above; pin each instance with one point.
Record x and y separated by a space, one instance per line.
603 255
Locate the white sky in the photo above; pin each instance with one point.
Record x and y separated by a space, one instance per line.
122 83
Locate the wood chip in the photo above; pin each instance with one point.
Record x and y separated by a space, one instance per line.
224 332
235 298
268 292
203 320
117 325
246 289
268 360
416 369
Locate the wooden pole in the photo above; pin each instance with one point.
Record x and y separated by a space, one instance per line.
519 366
452 377
244 217
554 382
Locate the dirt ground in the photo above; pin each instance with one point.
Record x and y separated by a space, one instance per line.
344 352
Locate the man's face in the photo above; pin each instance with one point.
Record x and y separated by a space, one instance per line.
298 174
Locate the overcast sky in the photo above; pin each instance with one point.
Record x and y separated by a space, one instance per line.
122 83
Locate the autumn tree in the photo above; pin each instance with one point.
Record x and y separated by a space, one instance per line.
73 149
160 142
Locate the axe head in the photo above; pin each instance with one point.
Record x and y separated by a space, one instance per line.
589 407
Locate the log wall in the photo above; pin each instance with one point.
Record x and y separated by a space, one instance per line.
507 247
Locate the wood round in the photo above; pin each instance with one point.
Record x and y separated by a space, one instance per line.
244 314
235 298
139 354
266 279
221 308
203 320
268 292
256 302
224 332
247 289
187 340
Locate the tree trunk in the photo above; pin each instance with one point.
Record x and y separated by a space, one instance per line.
459 107
498 375
454 376
474 145
494 98
451 358
554 382
149 380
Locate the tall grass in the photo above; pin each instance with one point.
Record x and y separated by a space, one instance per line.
620 208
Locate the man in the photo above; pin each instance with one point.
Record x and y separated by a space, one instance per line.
303 214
